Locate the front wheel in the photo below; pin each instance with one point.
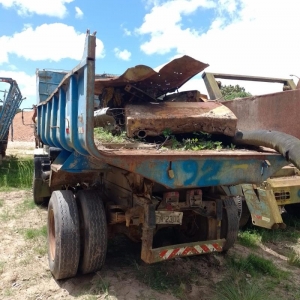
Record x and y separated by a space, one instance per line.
63 235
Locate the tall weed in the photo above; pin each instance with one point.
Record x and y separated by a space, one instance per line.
16 173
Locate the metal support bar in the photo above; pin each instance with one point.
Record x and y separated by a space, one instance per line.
214 89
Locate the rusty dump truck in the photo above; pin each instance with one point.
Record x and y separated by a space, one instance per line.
126 154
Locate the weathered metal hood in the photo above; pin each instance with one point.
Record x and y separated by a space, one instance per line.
169 78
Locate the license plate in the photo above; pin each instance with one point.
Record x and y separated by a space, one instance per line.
168 217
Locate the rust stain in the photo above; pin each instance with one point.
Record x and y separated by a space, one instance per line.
169 78
179 117
268 112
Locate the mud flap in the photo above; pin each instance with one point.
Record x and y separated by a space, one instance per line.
263 207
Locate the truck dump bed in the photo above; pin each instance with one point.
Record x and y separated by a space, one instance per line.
66 121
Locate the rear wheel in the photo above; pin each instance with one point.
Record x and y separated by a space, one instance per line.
63 235
93 230
245 217
230 223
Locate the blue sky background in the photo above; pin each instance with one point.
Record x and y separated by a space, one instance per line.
253 37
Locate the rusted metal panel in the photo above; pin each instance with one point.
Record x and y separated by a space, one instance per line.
179 117
276 111
66 178
169 78
271 112
186 96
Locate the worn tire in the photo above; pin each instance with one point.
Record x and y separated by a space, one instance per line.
63 235
246 215
93 228
230 223
39 188
36 185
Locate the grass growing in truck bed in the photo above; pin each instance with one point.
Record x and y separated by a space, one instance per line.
104 136
16 173
196 141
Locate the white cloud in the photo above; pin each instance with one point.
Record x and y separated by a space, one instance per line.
163 24
53 8
79 12
27 85
250 37
124 54
126 31
13 67
49 41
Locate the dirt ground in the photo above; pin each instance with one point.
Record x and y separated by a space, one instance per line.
24 271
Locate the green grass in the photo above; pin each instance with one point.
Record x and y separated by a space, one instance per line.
250 239
33 233
2 263
27 204
102 286
294 259
1 203
41 250
196 142
241 290
8 292
159 278
7 215
106 137
16 173
254 265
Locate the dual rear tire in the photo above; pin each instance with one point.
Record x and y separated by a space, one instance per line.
77 233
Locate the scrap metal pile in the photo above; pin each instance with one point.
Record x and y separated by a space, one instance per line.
145 104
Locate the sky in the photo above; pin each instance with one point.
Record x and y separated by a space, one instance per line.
247 37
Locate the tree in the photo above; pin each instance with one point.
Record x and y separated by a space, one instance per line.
231 92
